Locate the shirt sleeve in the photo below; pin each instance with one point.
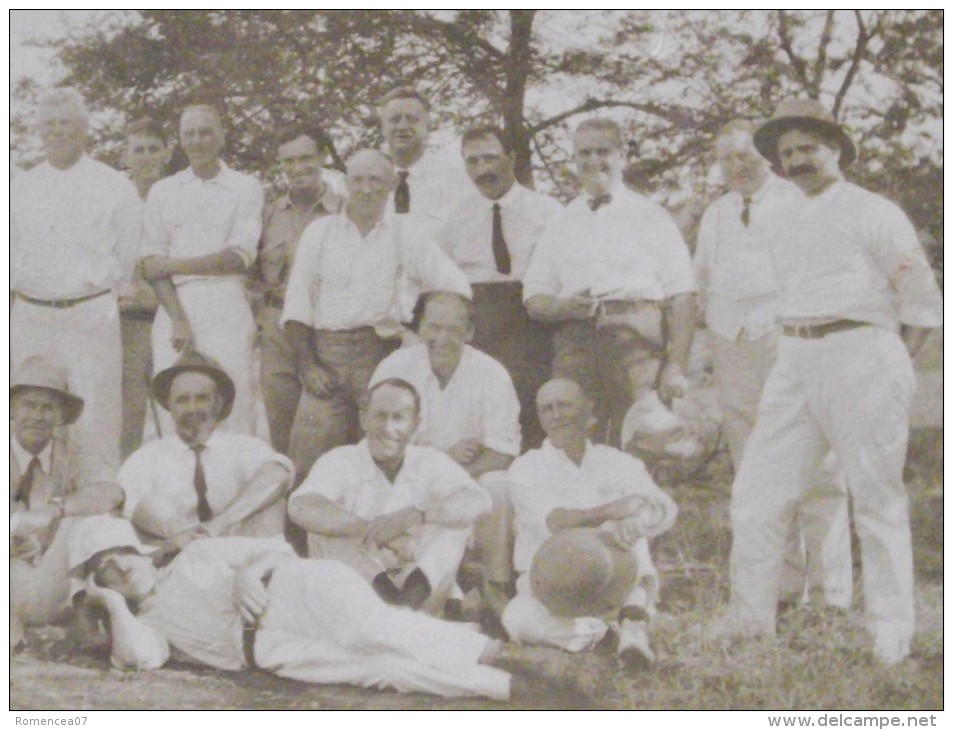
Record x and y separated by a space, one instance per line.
675 266
251 454
541 275
127 223
432 269
329 477
501 414
246 227
444 478
135 480
157 239
302 293
900 257
636 480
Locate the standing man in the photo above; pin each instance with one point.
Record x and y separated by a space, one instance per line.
75 231
491 236
146 155
308 197
427 181
348 293
735 278
613 272
202 228
851 277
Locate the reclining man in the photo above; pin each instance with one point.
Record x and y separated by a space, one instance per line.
200 481
53 484
571 483
236 603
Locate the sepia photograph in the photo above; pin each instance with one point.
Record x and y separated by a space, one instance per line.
477 360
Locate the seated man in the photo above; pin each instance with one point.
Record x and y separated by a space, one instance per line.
469 410
52 484
200 481
236 603
571 483
399 515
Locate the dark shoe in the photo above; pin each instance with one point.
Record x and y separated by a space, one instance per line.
416 589
635 653
384 587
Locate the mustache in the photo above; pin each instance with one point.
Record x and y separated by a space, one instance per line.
802 170
487 178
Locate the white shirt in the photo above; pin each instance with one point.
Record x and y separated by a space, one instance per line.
341 280
187 217
546 479
435 182
479 401
73 232
851 254
733 267
468 235
629 248
24 457
349 477
166 467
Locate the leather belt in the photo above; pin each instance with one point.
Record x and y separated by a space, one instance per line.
250 632
62 303
817 331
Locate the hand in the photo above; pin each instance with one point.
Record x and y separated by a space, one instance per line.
319 381
182 335
96 594
32 521
156 267
181 539
250 595
672 383
465 450
385 529
625 533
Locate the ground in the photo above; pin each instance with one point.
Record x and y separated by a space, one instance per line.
821 660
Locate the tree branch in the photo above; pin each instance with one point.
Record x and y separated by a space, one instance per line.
860 50
682 119
821 62
797 63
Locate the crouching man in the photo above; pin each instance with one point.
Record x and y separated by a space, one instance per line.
236 603
53 485
399 515
200 481
571 483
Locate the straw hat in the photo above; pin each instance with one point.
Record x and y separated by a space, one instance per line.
806 114
195 362
93 535
45 374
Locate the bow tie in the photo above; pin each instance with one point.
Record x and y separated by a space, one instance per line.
599 200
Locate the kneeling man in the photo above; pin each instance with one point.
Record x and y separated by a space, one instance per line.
399 515
200 481
571 483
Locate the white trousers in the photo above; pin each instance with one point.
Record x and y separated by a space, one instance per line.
528 621
222 328
85 339
849 392
325 624
817 553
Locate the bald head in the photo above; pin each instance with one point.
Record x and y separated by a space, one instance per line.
370 178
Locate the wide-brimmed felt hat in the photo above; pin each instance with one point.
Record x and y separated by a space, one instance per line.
806 114
582 572
93 535
195 362
42 373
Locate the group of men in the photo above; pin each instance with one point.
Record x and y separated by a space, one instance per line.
446 361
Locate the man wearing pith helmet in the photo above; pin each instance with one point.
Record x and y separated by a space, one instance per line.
54 484
202 481
856 298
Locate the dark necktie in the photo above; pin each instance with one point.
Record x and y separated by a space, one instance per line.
746 210
402 193
501 254
201 486
26 482
599 201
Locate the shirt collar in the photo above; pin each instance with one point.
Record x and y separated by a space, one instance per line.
224 178
24 457
510 198
330 201
370 471
206 447
560 454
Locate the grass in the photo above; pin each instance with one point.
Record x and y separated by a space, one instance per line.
820 661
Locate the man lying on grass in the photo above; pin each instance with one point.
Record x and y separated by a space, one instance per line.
235 603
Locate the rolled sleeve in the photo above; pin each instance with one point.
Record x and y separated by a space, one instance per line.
434 271
301 294
501 418
541 276
675 266
246 228
156 235
135 480
452 496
